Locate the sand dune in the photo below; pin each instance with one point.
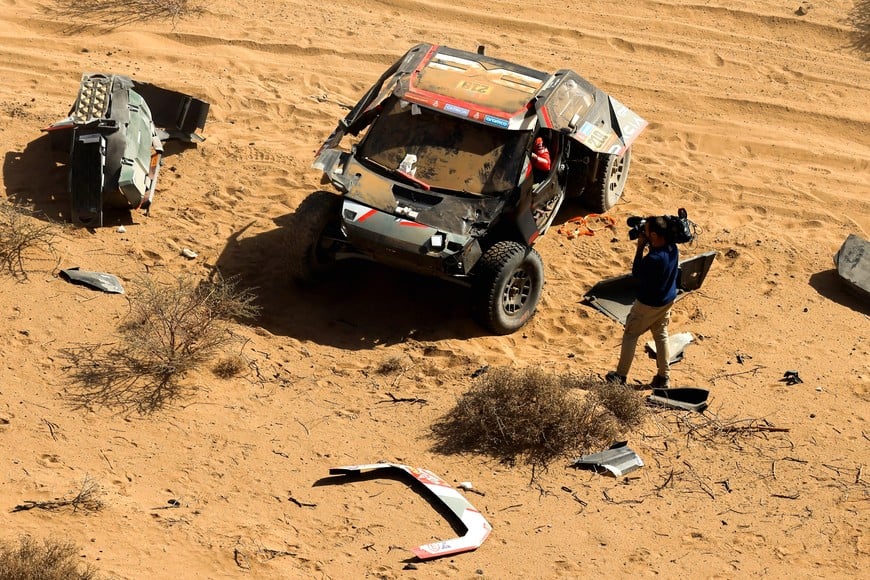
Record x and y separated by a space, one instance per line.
758 127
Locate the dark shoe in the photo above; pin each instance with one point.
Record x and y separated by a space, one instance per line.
612 377
660 382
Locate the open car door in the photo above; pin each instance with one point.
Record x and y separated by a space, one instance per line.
573 105
365 110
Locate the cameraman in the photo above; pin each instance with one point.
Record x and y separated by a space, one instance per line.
656 275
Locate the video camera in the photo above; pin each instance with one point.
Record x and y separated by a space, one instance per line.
679 229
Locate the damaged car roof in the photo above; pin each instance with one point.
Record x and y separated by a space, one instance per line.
499 93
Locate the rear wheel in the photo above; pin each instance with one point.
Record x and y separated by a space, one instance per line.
312 236
508 281
609 183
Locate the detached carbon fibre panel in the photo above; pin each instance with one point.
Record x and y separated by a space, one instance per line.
181 115
87 162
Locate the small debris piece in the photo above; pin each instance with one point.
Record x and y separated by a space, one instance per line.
676 344
188 253
687 398
99 280
121 229
479 371
791 378
618 460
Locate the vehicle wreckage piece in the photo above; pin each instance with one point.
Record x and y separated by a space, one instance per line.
614 296
477 528
853 265
677 343
99 280
114 135
618 460
687 398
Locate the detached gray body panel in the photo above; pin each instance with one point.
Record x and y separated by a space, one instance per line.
618 460
853 265
614 296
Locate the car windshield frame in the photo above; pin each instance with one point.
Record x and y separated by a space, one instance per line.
446 152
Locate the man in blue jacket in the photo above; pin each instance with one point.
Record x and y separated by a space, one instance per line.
656 275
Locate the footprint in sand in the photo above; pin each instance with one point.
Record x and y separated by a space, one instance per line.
620 44
49 460
712 59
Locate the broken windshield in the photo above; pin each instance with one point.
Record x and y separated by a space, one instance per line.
445 152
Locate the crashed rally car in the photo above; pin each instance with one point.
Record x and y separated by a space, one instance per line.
114 136
442 181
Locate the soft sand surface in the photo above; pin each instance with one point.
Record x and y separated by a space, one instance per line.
758 126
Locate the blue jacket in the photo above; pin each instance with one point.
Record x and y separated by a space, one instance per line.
656 274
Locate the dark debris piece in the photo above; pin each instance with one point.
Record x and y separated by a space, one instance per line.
791 378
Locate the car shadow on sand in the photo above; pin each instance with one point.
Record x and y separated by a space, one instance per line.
360 306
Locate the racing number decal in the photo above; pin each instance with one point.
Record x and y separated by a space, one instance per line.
594 137
473 87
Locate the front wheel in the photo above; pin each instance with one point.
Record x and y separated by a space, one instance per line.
609 183
508 281
311 237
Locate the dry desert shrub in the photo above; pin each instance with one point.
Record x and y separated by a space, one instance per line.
626 404
171 329
87 498
230 366
49 560
390 365
536 416
21 235
116 13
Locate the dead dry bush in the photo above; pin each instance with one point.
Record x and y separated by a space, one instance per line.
21 236
536 416
49 560
230 366
88 497
116 13
171 329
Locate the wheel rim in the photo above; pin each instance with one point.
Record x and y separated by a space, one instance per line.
615 179
516 292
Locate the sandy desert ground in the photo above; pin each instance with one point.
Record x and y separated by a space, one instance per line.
758 117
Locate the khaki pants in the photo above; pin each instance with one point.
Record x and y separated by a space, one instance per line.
640 319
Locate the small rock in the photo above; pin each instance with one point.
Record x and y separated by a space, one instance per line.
188 253
410 566
803 9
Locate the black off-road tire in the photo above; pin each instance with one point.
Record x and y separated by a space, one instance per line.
508 281
604 192
310 249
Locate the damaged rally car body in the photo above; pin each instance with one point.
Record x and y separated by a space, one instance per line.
114 135
443 183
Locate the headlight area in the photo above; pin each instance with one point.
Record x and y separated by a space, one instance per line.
407 243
